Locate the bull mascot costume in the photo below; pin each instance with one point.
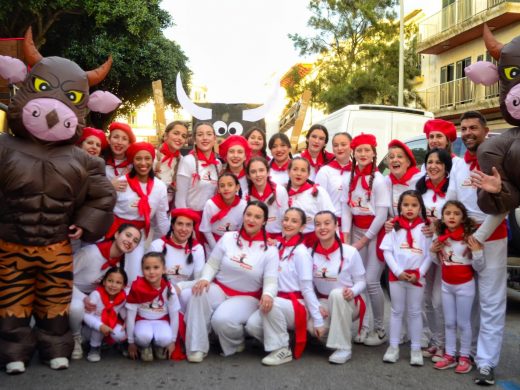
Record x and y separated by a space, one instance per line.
50 191
502 152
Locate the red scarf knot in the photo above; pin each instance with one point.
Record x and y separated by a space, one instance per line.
408 226
327 251
407 176
257 237
206 161
456 235
112 163
143 206
187 250
471 159
168 155
280 168
288 243
224 208
269 190
104 249
142 292
437 189
335 164
360 174
320 161
109 315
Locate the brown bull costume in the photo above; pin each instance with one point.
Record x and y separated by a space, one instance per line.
48 189
502 152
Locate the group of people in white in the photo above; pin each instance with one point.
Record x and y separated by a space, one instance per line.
243 244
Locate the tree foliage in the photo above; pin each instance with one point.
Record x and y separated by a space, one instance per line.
358 47
88 31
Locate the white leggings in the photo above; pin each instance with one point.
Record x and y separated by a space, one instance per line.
406 296
226 315
76 312
159 331
373 270
118 334
433 305
457 301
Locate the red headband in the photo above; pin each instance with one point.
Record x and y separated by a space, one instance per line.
234 140
363 139
395 143
90 131
445 127
123 127
137 147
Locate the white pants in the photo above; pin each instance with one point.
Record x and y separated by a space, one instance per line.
457 301
406 296
492 295
226 315
118 334
184 298
373 270
76 312
433 305
159 331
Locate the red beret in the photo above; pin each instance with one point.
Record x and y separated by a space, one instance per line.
188 213
363 139
123 127
445 127
137 147
395 143
234 140
90 131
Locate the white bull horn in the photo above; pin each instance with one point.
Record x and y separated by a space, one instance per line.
198 112
255 114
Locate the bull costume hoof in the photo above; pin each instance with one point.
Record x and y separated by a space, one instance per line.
49 188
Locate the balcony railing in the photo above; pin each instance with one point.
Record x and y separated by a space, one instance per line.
455 94
452 15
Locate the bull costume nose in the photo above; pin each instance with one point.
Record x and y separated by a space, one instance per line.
52 118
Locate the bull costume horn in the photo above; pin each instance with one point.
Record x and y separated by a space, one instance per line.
492 45
198 112
98 75
255 114
31 53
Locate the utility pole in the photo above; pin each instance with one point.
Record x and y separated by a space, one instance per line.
400 92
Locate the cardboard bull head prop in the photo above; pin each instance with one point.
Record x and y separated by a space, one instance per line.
227 119
50 192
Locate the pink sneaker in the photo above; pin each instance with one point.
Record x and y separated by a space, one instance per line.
464 365
447 361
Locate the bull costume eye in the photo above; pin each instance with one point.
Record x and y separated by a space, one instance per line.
220 128
41 85
511 72
235 128
74 96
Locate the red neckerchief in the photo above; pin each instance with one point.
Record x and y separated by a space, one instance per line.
335 164
471 159
169 241
407 176
269 189
326 252
283 168
224 208
168 155
437 190
241 174
111 162
142 292
320 161
287 243
456 235
104 248
143 206
305 186
109 315
257 237
206 161
357 174
408 226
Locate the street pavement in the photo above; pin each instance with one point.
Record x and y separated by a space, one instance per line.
244 371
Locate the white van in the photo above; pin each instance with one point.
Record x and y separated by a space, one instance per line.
385 122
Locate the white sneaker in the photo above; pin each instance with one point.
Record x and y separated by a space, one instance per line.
340 356
146 354
196 357
59 363
361 336
160 353
376 337
416 358
77 352
94 355
280 356
391 355
14 368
